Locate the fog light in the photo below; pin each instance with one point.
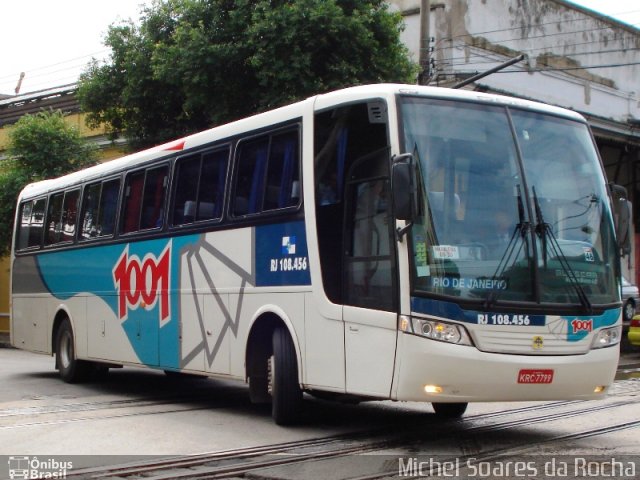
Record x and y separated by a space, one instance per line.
599 389
432 389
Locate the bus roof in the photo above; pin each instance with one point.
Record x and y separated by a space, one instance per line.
279 115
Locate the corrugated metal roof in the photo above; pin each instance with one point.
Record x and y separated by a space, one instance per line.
58 98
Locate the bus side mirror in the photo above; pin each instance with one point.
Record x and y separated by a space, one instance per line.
621 218
403 187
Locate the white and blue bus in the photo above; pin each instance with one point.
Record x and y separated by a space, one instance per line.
378 242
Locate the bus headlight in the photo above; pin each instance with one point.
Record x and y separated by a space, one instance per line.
441 331
607 337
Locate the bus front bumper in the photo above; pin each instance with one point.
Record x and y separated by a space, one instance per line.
432 371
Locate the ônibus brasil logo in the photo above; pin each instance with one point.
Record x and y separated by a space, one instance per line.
140 283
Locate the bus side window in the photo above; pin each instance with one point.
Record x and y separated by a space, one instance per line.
69 215
37 222
252 160
99 206
132 202
31 224
108 207
144 196
200 181
187 173
62 217
282 172
23 227
153 201
54 220
213 175
89 216
267 175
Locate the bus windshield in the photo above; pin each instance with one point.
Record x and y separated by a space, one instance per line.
514 207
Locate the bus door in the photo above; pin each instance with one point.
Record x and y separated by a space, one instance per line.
356 330
369 285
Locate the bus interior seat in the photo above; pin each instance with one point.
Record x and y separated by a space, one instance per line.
206 210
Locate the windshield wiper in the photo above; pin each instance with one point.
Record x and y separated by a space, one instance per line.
548 239
508 258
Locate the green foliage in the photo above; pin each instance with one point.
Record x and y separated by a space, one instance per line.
40 146
12 181
192 64
44 146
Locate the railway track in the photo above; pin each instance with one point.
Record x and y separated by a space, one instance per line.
33 416
527 430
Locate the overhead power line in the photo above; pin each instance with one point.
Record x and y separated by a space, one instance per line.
564 69
87 57
520 39
455 61
530 26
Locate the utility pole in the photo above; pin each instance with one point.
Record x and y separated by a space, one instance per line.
425 10
19 86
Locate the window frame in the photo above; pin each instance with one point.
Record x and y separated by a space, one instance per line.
201 153
166 164
170 162
101 182
50 204
293 127
58 242
18 227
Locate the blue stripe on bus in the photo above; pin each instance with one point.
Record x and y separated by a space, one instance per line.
91 271
109 271
578 326
453 311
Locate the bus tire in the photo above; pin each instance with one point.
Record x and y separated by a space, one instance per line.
450 410
286 401
71 369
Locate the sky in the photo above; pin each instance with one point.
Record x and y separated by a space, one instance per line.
51 41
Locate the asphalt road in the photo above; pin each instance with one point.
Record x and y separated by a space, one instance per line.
136 414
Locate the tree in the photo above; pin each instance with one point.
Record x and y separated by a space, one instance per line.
40 146
193 64
12 181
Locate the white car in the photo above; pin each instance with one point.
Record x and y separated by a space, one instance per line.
630 299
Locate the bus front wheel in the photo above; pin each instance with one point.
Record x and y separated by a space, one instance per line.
450 410
70 368
286 395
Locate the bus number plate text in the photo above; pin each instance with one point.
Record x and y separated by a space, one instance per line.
535 376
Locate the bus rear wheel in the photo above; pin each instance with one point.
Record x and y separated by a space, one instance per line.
286 395
450 410
71 369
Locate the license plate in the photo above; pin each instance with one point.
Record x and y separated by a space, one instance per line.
535 376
